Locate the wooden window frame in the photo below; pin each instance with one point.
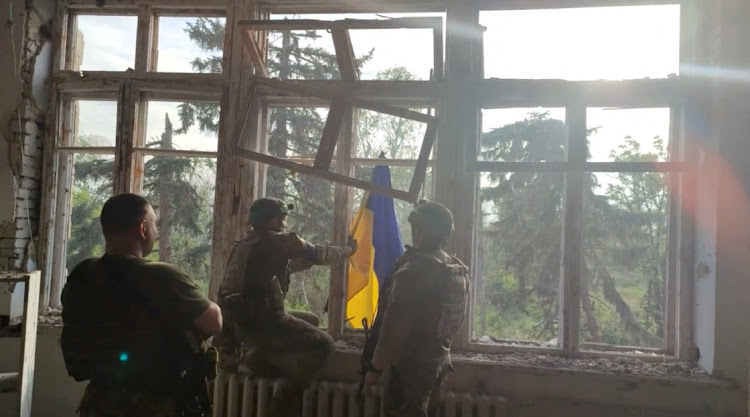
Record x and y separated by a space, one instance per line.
339 30
575 96
574 169
341 105
129 89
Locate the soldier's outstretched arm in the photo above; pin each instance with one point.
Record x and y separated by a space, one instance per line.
305 254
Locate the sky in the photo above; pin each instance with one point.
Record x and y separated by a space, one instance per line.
572 44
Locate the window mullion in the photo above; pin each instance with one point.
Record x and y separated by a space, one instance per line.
572 239
124 138
139 141
342 201
145 45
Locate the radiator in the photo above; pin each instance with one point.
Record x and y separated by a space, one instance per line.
238 396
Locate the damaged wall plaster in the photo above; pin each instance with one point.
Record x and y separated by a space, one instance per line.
26 42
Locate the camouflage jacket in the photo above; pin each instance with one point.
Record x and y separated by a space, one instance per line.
425 307
257 275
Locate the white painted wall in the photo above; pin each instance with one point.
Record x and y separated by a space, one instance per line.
722 274
55 393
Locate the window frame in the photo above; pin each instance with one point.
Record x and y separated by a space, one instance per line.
574 170
576 97
343 163
461 95
129 89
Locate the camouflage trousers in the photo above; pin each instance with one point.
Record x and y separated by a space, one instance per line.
98 402
413 389
292 348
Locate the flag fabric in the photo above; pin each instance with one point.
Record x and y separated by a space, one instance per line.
375 228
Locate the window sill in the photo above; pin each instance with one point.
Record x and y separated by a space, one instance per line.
624 363
539 384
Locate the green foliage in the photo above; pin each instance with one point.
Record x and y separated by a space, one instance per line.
187 184
520 252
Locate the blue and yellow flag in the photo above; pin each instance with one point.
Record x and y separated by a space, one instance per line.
375 228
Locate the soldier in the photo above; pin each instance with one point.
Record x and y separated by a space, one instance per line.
132 327
424 309
259 336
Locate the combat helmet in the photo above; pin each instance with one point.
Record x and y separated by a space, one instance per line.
434 220
267 208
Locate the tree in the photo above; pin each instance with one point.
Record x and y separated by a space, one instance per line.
178 189
623 228
636 243
92 185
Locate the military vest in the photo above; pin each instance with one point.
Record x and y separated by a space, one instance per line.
444 281
256 279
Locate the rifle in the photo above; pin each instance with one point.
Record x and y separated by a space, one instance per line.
201 369
372 334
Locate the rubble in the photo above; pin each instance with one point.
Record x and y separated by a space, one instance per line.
623 365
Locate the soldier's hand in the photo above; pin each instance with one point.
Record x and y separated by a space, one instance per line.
352 243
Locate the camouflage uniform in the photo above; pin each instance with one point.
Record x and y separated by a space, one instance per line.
424 310
258 333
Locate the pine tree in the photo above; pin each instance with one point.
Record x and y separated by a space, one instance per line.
623 230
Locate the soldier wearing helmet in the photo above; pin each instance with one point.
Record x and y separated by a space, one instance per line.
260 336
419 314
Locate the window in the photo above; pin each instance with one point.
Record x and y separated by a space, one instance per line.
118 133
595 43
576 203
621 200
91 157
92 40
190 44
560 150
404 54
181 185
294 133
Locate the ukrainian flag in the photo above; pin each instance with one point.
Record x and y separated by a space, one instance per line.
379 244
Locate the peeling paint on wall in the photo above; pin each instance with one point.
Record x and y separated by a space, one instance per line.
22 125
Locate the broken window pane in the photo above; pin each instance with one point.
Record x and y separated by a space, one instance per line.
181 190
382 53
395 137
518 262
524 135
401 180
92 186
295 132
103 43
190 44
626 135
623 287
393 54
593 43
94 123
187 126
